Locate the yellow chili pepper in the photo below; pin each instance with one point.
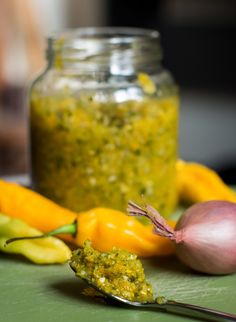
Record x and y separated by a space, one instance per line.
106 228
40 251
39 212
198 183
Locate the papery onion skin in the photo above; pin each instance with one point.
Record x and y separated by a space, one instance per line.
205 235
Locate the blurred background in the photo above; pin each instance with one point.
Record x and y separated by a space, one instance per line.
198 39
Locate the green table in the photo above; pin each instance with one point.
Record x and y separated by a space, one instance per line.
52 293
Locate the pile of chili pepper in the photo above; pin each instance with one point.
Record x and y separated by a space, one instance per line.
106 228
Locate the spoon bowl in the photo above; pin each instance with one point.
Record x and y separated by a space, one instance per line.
169 306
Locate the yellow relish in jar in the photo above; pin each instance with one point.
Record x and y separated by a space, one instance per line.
103 133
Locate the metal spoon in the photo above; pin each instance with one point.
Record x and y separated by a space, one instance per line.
169 306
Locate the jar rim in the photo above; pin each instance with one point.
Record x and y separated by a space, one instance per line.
119 50
108 34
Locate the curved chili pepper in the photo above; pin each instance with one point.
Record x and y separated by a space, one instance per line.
47 251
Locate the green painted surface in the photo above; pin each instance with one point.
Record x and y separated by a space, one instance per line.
52 293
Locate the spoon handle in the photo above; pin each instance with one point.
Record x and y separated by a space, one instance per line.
199 312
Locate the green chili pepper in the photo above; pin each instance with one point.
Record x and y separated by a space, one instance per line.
40 251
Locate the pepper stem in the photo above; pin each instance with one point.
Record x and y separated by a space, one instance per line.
65 229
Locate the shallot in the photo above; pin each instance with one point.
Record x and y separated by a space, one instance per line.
205 235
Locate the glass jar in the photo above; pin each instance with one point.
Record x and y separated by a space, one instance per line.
104 121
